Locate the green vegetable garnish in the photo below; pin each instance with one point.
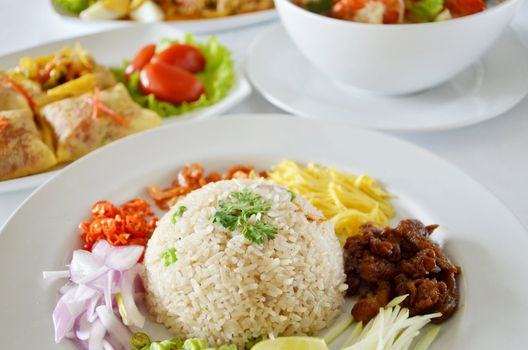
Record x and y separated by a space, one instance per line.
218 77
235 212
423 10
72 7
139 340
194 344
170 257
319 6
179 212
293 195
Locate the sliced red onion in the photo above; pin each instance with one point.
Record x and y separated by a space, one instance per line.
53 275
90 308
107 345
81 344
99 283
83 264
93 275
76 299
63 320
114 326
123 258
85 311
127 293
97 334
100 249
113 341
68 308
138 286
65 288
108 290
83 327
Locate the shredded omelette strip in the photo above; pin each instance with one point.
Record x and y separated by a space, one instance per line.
347 200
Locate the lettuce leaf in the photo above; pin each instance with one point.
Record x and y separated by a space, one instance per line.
218 78
423 10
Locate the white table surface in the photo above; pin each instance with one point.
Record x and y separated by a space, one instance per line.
495 153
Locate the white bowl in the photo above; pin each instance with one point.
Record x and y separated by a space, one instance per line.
397 58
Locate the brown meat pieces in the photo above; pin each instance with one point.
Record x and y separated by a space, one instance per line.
382 264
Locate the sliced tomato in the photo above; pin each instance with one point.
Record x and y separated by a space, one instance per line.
184 56
141 59
460 8
170 83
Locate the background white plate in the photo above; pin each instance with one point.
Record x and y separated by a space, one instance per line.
201 25
481 235
110 49
485 90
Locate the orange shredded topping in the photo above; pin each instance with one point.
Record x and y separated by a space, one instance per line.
21 91
4 122
99 106
132 224
95 103
190 178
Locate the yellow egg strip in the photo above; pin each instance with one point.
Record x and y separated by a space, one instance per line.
347 200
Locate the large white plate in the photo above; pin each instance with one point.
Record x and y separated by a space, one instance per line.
202 25
490 87
111 48
480 234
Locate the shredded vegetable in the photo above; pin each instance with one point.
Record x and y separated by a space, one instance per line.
132 224
348 200
141 341
392 329
99 106
21 91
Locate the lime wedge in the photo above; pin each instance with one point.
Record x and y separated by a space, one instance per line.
292 343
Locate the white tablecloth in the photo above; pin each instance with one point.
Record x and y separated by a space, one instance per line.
495 152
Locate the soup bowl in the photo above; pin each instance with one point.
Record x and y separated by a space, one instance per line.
393 59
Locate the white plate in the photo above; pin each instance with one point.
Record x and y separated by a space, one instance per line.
200 25
490 87
481 235
110 49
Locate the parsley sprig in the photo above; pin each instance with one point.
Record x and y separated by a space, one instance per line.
236 211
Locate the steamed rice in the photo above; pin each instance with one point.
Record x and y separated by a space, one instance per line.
227 289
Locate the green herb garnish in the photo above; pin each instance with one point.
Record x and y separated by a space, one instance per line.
179 212
235 212
170 257
319 6
141 341
293 195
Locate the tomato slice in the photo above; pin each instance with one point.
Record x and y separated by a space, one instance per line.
170 83
141 59
460 8
184 56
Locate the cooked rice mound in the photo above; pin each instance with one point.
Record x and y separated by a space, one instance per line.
227 289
